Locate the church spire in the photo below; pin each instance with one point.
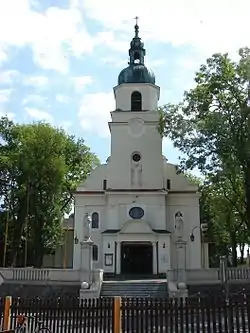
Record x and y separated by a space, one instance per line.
136 51
136 27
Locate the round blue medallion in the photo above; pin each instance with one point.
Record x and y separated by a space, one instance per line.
136 213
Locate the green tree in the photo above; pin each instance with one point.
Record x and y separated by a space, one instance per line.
224 207
40 168
211 126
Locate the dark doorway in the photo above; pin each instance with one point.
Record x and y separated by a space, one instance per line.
136 258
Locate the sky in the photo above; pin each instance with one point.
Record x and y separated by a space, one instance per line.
60 59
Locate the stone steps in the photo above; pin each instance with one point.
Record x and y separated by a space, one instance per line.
135 288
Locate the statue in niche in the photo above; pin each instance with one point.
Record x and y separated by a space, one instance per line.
87 226
136 174
179 225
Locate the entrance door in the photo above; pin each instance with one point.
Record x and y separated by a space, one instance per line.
136 258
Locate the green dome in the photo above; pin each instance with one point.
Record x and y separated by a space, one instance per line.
136 73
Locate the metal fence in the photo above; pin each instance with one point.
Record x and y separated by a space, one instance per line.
196 314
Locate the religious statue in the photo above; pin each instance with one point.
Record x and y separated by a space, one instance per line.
87 226
136 174
179 224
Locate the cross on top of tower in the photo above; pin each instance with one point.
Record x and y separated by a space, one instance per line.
136 27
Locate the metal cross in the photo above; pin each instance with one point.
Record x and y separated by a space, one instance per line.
136 20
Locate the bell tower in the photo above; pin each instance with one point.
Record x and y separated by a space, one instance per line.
136 145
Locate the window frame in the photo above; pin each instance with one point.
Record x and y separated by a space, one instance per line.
136 99
98 214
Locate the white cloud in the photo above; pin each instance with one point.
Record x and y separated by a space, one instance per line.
39 114
5 95
80 82
214 26
62 98
109 39
115 61
95 111
10 115
9 76
156 62
52 35
57 33
52 58
34 99
166 143
65 125
36 81
3 56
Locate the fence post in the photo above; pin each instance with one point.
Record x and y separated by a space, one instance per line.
117 315
7 313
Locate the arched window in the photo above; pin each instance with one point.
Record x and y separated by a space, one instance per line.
136 101
95 220
136 55
95 253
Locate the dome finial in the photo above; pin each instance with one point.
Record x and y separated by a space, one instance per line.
136 72
136 27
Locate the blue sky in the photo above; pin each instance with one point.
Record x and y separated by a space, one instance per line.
60 59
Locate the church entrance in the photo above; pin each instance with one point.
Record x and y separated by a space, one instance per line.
136 258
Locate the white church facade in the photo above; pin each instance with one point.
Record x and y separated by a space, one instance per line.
142 212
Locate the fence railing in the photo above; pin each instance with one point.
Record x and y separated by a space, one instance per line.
132 314
31 274
52 275
238 273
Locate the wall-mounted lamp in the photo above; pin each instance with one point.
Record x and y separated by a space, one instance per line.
192 237
76 240
163 245
108 245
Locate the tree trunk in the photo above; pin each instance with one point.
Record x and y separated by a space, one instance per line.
17 232
38 242
242 248
247 194
233 241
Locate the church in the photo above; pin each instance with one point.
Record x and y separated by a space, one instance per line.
141 212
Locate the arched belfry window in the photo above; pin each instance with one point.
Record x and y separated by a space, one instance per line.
136 101
95 220
136 58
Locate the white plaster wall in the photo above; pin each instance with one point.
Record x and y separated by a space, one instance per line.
159 212
95 179
88 204
150 95
153 205
107 239
113 214
148 144
178 181
164 254
127 116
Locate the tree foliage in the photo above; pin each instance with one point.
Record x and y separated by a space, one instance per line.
40 168
225 206
211 126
